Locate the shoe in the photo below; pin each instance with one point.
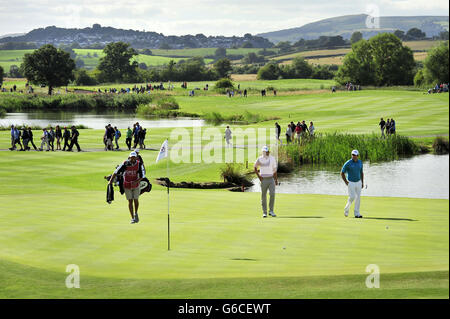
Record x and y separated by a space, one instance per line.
264 215
272 214
136 218
346 214
133 221
358 216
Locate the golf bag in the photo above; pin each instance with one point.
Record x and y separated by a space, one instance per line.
145 186
109 193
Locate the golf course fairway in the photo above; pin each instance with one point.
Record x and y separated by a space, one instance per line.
53 213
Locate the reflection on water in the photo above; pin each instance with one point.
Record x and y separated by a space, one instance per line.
423 176
93 120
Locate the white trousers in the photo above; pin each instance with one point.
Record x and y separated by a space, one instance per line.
354 194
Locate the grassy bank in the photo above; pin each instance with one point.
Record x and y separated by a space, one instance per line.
23 102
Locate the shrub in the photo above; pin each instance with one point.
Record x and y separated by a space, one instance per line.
232 173
441 145
224 83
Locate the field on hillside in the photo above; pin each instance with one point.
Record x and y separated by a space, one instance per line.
321 57
206 52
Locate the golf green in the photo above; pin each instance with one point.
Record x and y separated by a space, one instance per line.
54 213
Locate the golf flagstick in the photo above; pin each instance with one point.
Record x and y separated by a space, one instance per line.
164 152
168 201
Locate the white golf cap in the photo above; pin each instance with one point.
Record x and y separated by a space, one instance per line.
133 154
265 149
355 152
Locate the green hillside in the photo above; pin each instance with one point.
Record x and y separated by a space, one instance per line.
346 25
90 57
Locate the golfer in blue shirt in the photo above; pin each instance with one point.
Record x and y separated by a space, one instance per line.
355 182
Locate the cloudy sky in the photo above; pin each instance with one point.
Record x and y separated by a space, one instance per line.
210 17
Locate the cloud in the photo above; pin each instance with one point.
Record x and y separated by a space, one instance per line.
177 17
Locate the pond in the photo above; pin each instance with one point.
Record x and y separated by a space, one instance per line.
94 120
422 176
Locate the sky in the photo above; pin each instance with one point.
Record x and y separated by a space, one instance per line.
210 17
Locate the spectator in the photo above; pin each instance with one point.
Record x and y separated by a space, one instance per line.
227 136
311 129
288 134
136 134
44 140
382 125
17 135
278 132
74 139
141 136
392 126
51 138
66 137
30 136
128 138
298 132
117 135
58 135
25 139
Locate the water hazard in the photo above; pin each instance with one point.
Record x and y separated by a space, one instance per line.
423 176
94 120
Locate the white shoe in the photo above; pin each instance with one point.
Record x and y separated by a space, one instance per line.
272 214
133 221
264 215
346 214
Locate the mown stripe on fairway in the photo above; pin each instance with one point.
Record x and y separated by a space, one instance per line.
19 281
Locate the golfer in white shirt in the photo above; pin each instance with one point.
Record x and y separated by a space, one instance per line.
268 177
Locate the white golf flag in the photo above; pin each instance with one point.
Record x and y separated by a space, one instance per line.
164 151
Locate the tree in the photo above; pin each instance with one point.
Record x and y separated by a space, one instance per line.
147 52
79 63
68 49
252 57
49 66
220 53
2 72
165 46
301 68
443 35
394 62
82 78
270 71
116 65
415 34
436 64
143 66
14 72
223 66
382 60
284 46
356 36
247 44
399 34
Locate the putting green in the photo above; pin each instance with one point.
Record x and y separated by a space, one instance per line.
54 213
